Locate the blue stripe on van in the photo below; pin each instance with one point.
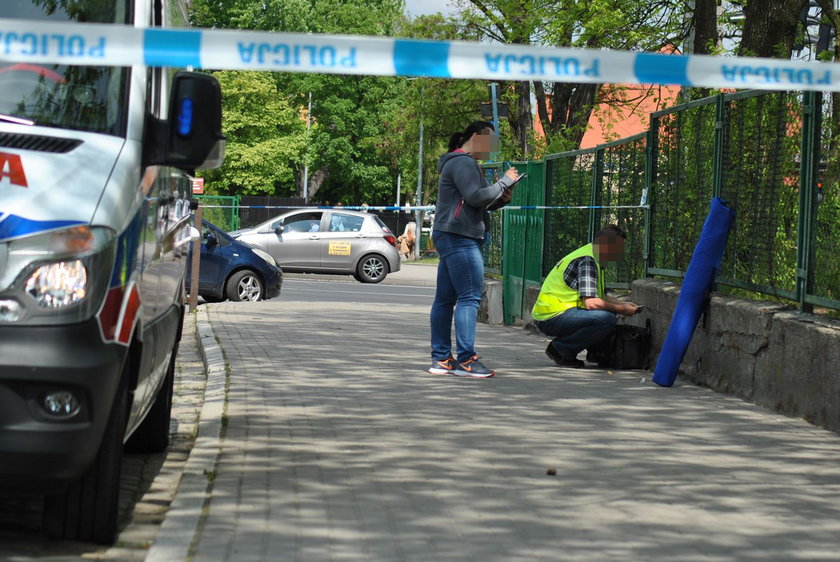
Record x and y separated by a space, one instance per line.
13 226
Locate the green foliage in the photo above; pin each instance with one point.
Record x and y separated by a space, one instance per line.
266 137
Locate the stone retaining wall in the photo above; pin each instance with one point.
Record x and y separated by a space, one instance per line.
763 352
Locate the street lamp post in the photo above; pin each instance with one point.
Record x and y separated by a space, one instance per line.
306 164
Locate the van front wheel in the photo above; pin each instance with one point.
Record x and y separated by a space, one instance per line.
88 509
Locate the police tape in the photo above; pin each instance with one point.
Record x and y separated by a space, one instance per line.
117 45
411 209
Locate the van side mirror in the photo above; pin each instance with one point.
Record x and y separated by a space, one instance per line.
191 136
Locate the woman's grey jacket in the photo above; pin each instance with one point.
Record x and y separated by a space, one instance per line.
463 195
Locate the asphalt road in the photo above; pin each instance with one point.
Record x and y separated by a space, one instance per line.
298 289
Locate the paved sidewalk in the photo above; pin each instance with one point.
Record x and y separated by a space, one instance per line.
338 446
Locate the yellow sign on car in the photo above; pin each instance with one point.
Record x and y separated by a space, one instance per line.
339 248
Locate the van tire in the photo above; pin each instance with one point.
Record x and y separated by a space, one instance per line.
88 509
245 285
372 269
152 436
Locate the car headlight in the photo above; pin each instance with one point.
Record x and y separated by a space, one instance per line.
266 256
57 277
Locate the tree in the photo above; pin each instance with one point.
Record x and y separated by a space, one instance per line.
342 148
564 108
262 153
770 27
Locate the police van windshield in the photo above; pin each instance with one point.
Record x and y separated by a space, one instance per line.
89 98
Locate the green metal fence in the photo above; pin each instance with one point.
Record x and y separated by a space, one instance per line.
221 210
771 155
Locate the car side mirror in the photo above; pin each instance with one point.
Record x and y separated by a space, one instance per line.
190 138
279 229
211 240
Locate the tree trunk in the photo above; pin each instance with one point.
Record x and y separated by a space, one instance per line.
523 123
770 28
316 180
705 26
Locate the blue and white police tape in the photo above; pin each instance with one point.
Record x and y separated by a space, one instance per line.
410 209
116 45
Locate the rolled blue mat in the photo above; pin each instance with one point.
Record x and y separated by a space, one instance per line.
704 264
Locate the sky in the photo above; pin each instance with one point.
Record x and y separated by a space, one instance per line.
423 7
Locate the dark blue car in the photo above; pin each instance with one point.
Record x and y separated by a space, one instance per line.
234 270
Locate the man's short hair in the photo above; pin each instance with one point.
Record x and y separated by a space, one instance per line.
611 231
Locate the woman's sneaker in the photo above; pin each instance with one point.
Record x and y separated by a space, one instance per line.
442 366
472 367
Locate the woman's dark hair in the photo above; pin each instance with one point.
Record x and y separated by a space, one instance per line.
457 140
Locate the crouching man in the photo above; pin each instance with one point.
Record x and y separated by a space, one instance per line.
573 307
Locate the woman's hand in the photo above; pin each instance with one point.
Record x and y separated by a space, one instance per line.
512 173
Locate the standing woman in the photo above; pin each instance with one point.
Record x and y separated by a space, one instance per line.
463 195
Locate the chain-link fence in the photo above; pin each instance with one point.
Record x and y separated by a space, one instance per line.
773 156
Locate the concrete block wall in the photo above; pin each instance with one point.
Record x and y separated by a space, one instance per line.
763 352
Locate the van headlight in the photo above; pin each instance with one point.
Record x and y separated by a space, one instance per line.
58 285
58 277
266 256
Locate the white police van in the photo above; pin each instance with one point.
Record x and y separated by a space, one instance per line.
94 234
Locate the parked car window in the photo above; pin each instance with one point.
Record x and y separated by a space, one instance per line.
346 223
381 224
304 222
206 231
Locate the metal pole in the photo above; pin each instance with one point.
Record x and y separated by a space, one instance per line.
196 261
494 98
419 214
306 165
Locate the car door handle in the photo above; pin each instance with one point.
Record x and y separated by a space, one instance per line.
313 237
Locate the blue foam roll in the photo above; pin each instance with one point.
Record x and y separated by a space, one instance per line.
704 264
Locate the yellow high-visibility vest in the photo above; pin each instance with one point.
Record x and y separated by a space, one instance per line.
555 295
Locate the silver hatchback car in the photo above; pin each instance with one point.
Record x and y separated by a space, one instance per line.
328 241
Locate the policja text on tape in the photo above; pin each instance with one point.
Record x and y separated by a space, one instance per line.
117 45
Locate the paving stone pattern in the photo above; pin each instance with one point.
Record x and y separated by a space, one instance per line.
339 446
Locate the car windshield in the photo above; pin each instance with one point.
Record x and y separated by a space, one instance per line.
90 98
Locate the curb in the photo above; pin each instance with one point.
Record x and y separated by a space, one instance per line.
181 523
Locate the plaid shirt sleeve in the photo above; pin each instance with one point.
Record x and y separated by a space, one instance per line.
582 275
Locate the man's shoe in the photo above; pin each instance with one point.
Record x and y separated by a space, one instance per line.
442 366
562 361
472 367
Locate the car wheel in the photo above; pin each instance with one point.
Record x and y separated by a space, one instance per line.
88 509
372 269
245 286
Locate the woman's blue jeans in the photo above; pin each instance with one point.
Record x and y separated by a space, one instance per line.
460 281
578 329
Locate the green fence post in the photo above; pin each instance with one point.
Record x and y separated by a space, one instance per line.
808 166
651 147
595 193
717 153
237 223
